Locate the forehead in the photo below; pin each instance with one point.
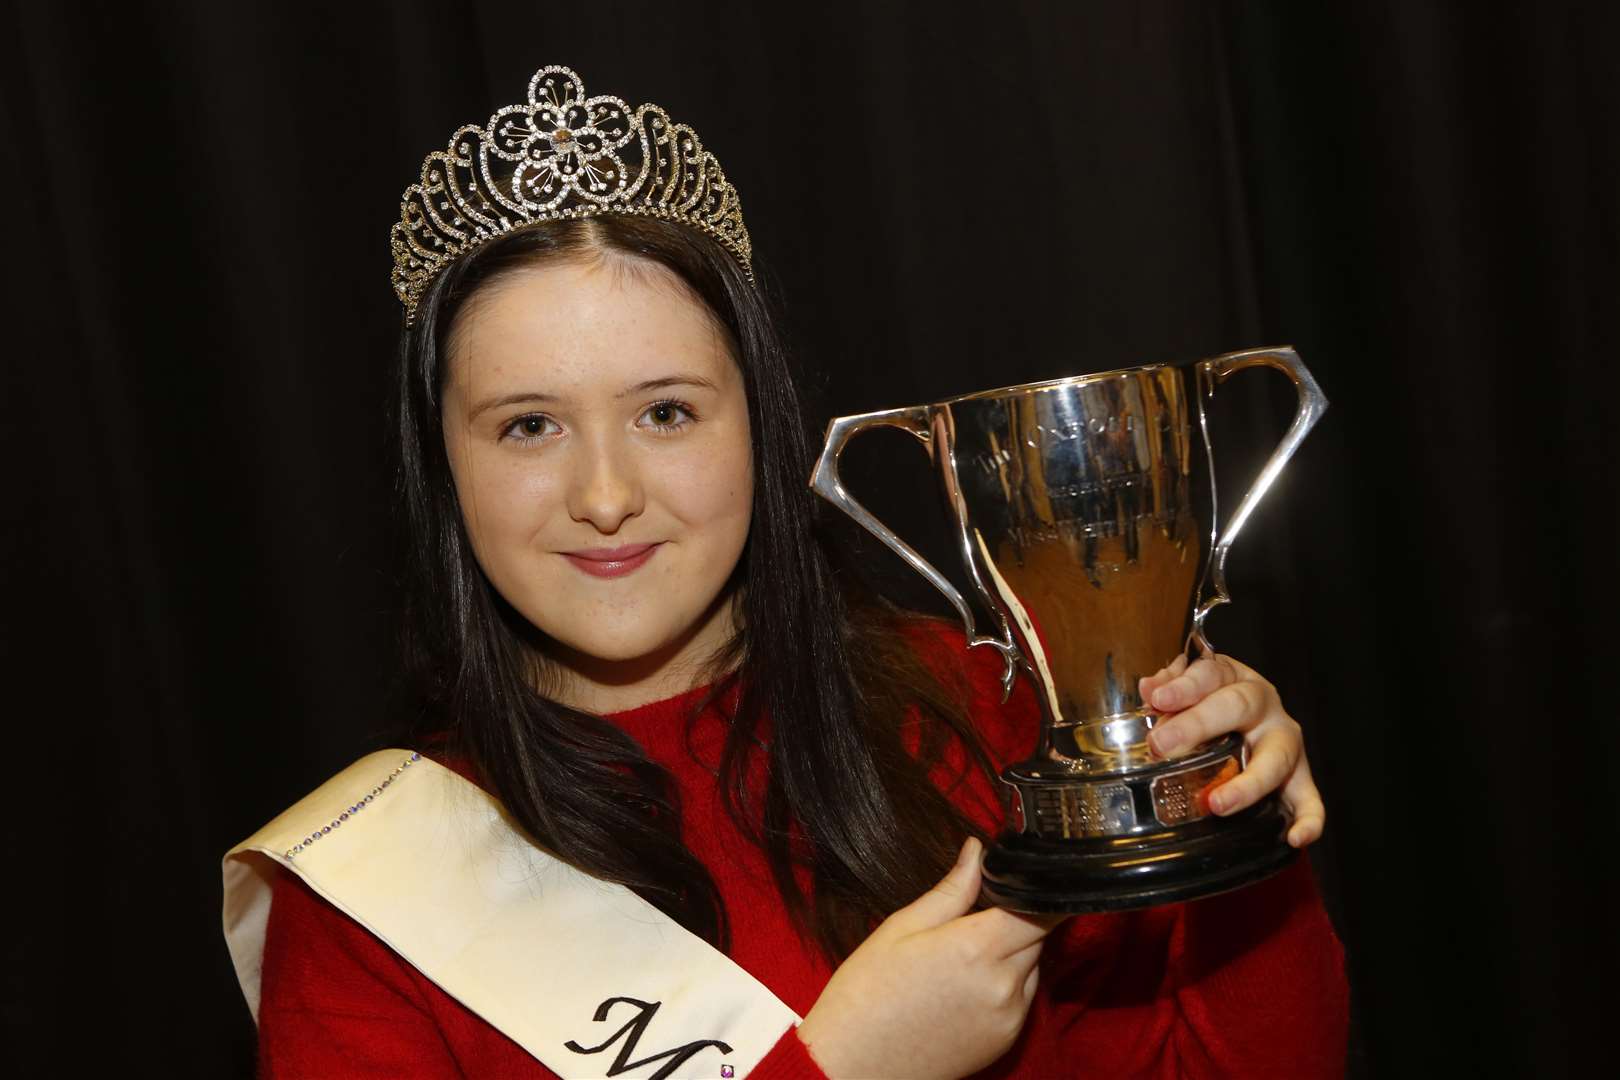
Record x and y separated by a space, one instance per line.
601 321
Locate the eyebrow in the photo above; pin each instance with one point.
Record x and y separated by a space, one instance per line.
536 397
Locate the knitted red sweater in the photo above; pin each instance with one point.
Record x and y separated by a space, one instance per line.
1247 984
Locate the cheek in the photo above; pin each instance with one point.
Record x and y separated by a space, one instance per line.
712 488
503 500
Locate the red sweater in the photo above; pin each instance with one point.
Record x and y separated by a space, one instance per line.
1247 984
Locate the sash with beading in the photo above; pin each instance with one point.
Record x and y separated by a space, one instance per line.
585 975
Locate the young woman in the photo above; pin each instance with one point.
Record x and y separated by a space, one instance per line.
632 644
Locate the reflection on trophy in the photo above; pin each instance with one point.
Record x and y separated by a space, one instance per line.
1069 503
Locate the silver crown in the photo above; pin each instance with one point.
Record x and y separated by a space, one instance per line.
561 155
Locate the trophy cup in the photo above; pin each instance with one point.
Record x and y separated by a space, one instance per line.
1069 503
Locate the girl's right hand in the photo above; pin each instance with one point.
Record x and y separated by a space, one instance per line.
934 992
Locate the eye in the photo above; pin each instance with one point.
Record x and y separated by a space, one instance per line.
531 427
667 415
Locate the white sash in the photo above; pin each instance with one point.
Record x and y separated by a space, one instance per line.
586 976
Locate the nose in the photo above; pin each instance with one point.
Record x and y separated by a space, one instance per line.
605 488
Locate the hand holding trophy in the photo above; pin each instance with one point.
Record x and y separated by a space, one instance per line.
1217 694
1072 515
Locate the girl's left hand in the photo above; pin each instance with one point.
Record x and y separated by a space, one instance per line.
1216 694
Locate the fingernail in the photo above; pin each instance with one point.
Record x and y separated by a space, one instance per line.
1163 698
969 849
1219 801
1164 742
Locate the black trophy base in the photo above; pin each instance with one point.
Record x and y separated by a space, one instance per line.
1203 857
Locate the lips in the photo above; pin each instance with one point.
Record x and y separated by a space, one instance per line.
611 562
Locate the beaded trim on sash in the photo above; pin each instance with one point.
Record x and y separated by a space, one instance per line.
585 975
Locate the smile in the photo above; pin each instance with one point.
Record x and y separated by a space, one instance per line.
611 562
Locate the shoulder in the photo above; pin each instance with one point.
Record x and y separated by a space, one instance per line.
336 1001
320 961
317 958
303 926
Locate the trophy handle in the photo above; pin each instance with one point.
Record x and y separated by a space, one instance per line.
1312 404
826 482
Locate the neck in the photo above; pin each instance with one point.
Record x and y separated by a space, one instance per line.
599 686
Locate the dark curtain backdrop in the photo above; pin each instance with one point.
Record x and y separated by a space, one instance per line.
1420 196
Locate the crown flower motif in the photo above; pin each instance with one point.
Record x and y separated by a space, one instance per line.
560 155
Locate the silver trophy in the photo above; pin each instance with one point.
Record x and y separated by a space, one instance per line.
1069 503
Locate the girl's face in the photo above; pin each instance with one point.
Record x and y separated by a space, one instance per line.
597 430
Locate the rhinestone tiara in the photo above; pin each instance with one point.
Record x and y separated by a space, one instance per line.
562 155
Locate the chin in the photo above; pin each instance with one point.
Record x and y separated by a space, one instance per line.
615 645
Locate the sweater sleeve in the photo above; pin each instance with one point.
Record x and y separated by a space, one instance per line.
789 1059
1259 982
335 1001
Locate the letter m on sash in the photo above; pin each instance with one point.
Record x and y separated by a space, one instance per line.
631 1034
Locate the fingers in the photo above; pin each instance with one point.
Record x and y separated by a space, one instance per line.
1029 954
1193 683
1002 934
954 896
1301 796
1147 684
1028 960
1237 706
1273 758
1217 694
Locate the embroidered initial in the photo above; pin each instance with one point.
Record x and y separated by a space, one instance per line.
631 1033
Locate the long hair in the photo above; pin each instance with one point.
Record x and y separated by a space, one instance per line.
822 685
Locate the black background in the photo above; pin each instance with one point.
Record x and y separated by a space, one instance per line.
1420 196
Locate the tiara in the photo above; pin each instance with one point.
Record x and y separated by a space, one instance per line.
562 155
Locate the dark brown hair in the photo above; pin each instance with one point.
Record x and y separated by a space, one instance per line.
836 680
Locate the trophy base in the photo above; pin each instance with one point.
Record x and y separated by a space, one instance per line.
1036 875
